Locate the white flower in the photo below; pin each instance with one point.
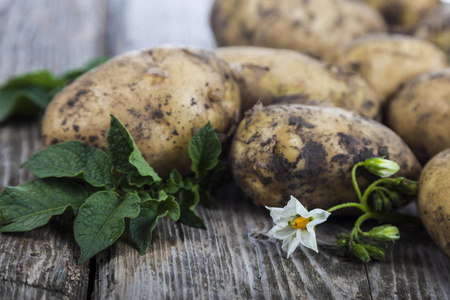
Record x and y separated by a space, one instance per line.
381 167
295 225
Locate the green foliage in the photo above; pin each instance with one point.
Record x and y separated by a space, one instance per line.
101 221
30 93
105 190
73 159
32 204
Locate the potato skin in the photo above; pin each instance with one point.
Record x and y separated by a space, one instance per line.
434 199
161 95
308 152
276 75
403 15
420 114
316 27
388 61
436 28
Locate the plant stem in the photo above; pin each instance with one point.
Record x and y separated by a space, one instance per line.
355 183
369 190
346 205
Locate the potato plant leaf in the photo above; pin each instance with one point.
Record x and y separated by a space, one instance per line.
101 221
33 203
152 210
126 157
204 150
73 159
188 201
30 93
206 185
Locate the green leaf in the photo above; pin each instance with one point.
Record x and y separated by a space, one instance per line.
188 201
207 183
100 221
152 210
33 203
174 183
126 157
204 150
3 218
73 159
73 74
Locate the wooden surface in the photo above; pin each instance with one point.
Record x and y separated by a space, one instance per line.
234 258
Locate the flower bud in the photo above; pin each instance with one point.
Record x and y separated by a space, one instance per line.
375 252
407 187
361 252
381 167
385 233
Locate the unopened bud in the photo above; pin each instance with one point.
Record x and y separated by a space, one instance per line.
376 252
381 167
361 252
385 233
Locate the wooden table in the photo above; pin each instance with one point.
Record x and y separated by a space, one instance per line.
234 258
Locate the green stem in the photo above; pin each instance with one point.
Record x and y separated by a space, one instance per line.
355 183
361 220
346 205
369 190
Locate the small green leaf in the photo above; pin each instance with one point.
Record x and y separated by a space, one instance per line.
3 218
207 183
152 210
174 183
32 204
204 150
73 159
100 221
126 157
188 201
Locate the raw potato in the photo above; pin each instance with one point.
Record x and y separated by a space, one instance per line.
434 199
436 28
316 27
276 75
420 114
387 61
403 15
308 152
161 95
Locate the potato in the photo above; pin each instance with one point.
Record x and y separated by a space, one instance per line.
403 15
316 27
420 114
161 95
308 152
276 75
436 28
387 61
434 199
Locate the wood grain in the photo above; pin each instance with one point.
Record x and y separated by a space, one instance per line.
56 35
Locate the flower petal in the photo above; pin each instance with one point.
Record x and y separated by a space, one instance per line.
319 216
299 208
290 244
309 237
281 233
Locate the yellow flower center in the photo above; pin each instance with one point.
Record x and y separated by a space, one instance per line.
300 223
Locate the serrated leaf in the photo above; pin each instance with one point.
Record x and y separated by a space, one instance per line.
142 227
188 201
204 150
32 204
126 157
101 221
73 159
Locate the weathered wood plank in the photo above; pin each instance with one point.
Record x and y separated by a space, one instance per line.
140 24
37 34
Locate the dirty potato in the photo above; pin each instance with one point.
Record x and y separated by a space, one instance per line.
161 95
434 199
387 61
403 16
277 75
436 28
420 114
308 152
316 27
